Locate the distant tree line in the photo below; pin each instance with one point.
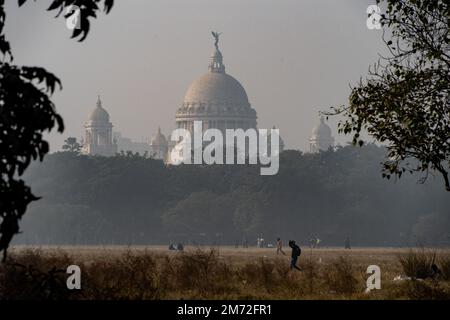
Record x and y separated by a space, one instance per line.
130 199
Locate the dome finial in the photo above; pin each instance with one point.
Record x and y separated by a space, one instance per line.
99 102
216 64
216 36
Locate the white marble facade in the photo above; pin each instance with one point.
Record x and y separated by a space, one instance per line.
98 138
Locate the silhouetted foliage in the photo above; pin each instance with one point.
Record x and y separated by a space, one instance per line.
26 113
405 100
71 145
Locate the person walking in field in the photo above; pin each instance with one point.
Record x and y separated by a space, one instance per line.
280 247
296 252
347 243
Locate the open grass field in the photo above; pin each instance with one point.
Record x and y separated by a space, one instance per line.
154 272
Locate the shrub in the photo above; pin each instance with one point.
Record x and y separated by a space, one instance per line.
417 263
131 276
260 274
426 290
339 276
29 276
444 263
310 275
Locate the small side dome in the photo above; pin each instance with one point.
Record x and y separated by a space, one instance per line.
218 88
99 114
321 129
159 139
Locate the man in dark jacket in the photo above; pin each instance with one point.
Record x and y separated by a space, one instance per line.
296 252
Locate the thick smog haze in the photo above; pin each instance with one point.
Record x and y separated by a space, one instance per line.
294 59
114 209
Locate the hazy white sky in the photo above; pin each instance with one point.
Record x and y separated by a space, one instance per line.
293 57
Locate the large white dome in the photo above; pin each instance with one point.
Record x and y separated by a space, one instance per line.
217 88
217 99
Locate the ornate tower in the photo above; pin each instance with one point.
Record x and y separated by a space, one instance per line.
98 133
321 138
159 146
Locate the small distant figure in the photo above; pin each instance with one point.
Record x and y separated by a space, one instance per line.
260 243
347 243
245 243
179 246
317 243
280 247
296 252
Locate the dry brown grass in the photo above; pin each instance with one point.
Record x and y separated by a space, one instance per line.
340 277
444 262
224 273
417 263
